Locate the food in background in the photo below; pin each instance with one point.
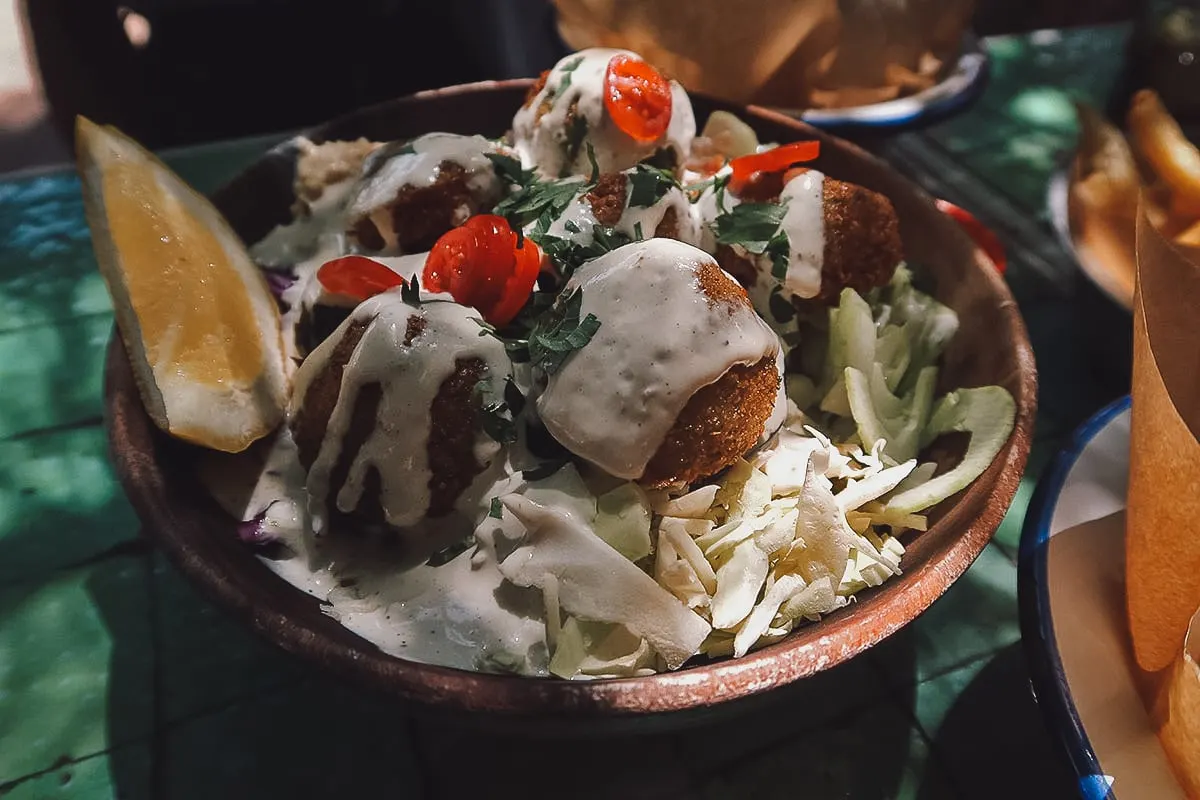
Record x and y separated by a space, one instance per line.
1111 171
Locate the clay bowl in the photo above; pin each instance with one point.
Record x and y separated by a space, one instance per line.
992 347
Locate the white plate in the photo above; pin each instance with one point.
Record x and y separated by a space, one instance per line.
1072 598
961 85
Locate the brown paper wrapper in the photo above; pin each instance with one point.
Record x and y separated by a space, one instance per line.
789 53
1161 540
1179 710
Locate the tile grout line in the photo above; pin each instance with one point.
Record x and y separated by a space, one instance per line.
158 769
95 420
60 322
60 763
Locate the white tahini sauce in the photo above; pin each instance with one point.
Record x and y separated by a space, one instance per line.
418 164
410 376
577 222
542 141
660 340
803 224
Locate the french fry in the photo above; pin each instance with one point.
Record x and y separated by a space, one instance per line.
1157 138
1102 149
1190 236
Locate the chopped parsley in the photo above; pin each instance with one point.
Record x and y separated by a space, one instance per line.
566 70
560 332
517 348
513 396
638 235
648 185
755 227
537 199
542 471
782 310
591 157
410 292
577 128
716 182
569 254
494 415
509 170
496 510
448 554
663 158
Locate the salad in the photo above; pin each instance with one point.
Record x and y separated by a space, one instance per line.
597 399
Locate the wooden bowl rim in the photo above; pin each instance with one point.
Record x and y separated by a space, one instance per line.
805 652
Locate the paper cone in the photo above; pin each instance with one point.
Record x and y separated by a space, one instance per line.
1162 544
1180 712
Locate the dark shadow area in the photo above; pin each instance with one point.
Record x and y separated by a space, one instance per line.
296 732
994 740
226 68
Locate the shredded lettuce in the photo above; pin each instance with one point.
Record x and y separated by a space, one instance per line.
623 520
988 414
597 583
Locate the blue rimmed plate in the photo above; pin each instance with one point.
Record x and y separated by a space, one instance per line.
1072 603
961 85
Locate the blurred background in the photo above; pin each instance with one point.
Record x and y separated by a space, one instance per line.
174 72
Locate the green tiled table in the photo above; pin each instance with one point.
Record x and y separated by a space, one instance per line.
116 679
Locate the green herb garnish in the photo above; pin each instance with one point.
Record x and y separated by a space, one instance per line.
538 199
591 157
509 170
576 132
778 249
560 332
494 415
517 348
782 310
542 471
566 70
569 254
637 231
496 511
752 225
448 554
648 185
410 292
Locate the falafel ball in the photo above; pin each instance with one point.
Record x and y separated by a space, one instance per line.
565 113
681 376
411 193
838 235
638 203
386 412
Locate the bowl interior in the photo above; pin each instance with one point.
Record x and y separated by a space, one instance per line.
991 347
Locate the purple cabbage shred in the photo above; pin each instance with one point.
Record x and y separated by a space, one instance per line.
254 531
278 282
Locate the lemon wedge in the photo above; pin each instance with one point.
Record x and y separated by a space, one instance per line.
198 321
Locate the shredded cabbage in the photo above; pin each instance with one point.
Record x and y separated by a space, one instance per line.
786 535
597 583
988 414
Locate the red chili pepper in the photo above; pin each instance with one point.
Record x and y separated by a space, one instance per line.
777 159
480 265
637 97
988 242
357 276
